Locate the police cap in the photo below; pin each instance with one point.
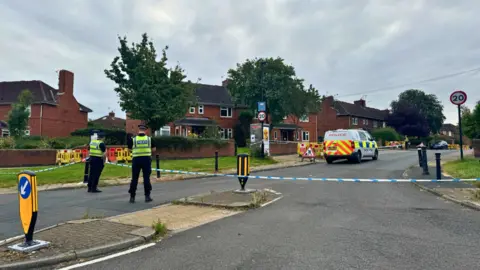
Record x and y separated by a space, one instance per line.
142 127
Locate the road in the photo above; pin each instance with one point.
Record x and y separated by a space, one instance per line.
63 205
328 225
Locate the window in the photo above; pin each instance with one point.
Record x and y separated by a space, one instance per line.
354 121
375 124
363 137
365 121
384 124
304 119
5 132
226 133
225 112
192 110
305 136
29 109
275 134
164 131
450 133
200 109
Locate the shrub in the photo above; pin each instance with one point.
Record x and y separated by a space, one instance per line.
68 142
256 150
386 134
7 143
182 143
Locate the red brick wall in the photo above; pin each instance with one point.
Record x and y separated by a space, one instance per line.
283 148
328 119
23 158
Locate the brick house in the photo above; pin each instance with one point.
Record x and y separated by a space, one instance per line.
343 115
214 108
54 112
294 129
110 121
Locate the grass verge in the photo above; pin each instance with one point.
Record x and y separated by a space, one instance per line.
74 173
466 169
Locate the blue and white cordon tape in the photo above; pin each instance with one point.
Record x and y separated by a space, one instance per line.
309 178
43 170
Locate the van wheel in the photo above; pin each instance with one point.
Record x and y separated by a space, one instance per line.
359 157
329 160
375 157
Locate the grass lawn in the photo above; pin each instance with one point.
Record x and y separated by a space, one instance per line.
74 173
468 168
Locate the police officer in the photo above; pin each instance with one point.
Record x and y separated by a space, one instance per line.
97 162
142 147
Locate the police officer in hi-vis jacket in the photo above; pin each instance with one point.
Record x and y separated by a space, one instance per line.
97 162
142 148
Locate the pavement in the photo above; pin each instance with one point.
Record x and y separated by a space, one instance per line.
316 225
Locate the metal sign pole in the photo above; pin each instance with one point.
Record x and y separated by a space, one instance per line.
460 130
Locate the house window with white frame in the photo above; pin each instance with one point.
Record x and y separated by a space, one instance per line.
354 121
163 131
191 110
365 121
375 124
225 112
5 132
226 133
305 136
384 124
304 119
201 109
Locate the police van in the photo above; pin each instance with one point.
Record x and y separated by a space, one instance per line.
351 144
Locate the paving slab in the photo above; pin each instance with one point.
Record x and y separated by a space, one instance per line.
71 238
232 199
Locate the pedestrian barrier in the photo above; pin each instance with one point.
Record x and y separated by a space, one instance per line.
64 156
303 146
111 155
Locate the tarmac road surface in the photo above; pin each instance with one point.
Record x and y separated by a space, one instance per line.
328 225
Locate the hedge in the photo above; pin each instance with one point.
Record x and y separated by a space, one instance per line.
112 136
36 142
183 143
386 134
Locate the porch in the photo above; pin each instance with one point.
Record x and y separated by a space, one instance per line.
198 126
285 132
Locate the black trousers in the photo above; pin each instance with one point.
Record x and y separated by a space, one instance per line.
96 168
143 164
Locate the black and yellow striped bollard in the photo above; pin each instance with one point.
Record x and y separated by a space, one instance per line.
243 170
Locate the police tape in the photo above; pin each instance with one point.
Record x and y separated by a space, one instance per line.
42 170
369 180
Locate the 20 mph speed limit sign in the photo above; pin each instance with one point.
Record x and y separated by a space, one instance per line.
262 116
458 97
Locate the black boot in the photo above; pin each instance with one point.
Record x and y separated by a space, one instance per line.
95 190
148 198
132 199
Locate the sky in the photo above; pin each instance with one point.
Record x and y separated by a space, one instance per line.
347 48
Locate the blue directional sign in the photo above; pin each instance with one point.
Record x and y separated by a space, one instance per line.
261 106
24 187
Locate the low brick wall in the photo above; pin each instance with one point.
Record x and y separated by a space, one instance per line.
277 149
476 147
25 158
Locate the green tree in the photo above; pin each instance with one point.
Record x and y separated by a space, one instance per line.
428 105
471 122
19 114
242 128
272 81
147 88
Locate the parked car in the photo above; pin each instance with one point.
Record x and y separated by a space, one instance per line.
440 145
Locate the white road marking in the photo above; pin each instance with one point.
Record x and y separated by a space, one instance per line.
108 257
270 202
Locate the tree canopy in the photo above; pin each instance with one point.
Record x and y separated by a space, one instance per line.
148 89
408 120
471 122
427 104
19 114
272 81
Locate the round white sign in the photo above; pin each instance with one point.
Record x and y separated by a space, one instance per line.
458 97
262 116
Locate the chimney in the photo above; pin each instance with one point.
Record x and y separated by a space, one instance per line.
225 83
360 102
328 101
65 83
111 114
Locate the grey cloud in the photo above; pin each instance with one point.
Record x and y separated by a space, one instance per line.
341 47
